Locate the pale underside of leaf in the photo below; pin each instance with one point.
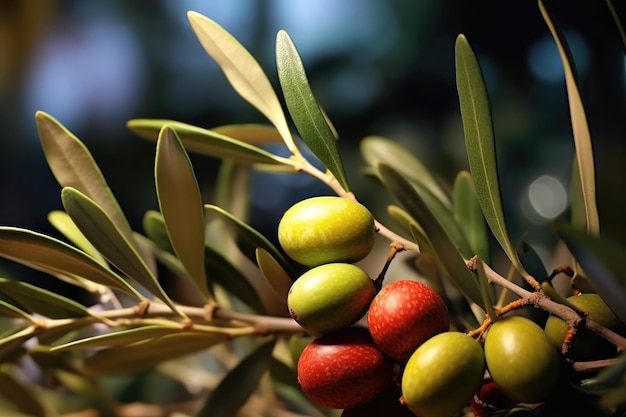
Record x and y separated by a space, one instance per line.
580 127
243 72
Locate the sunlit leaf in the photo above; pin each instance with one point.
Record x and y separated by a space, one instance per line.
21 396
252 133
378 149
142 355
603 262
580 127
469 216
94 223
64 224
222 271
207 142
238 384
118 338
480 144
249 239
33 299
180 202
73 166
50 255
305 110
446 250
243 72
276 276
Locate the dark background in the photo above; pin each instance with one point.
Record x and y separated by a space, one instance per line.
377 67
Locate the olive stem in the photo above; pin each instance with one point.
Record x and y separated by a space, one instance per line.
395 248
540 300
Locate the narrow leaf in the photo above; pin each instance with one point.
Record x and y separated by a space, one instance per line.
118 338
243 72
276 276
154 226
480 144
603 262
222 271
73 166
21 396
94 223
378 149
486 291
207 142
180 202
38 300
580 127
50 255
305 110
238 384
445 249
143 355
64 224
9 310
249 238
252 133
469 216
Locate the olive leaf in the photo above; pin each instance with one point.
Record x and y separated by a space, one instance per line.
272 270
480 144
221 270
21 396
378 149
580 127
249 238
94 223
73 166
602 260
145 354
64 224
33 299
209 143
8 309
305 110
50 255
243 72
117 338
154 227
446 250
238 384
469 216
180 202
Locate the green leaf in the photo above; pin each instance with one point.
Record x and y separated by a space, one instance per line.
480 144
38 300
64 224
232 187
21 396
140 356
8 309
276 276
207 142
603 262
305 110
580 127
249 238
252 133
238 384
73 166
50 255
243 72
118 338
222 271
180 202
94 223
469 216
485 290
154 227
446 250
378 149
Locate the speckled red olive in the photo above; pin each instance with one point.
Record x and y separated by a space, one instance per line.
344 369
403 315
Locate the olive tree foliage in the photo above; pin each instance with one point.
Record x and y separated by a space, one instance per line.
211 344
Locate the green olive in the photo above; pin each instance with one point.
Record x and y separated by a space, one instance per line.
326 229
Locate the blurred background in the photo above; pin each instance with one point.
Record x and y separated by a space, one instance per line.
377 67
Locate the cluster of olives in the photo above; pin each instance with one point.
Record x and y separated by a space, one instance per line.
406 360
